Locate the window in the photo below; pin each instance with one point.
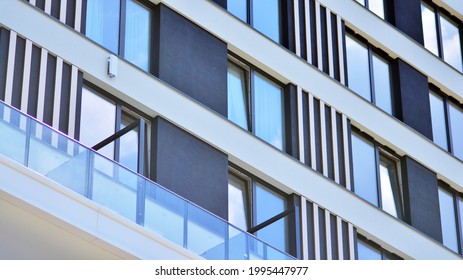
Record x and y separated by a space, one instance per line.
376 6
447 122
451 211
100 122
376 176
369 74
368 250
255 103
123 27
442 34
254 207
263 15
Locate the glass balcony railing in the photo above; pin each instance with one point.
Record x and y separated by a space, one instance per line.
62 159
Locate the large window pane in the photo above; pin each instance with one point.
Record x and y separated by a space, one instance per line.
268 108
238 8
363 154
266 17
237 96
237 202
456 127
137 34
448 221
97 121
451 43
390 191
128 151
439 130
358 68
366 252
377 7
382 84
429 29
103 23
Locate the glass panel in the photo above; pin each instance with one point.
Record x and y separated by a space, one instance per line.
237 244
103 23
274 234
237 202
456 128
366 252
12 134
439 130
266 18
128 151
390 191
377 7
268 106
205 233
238 8
460 211
448 221
116 191
451 43
382 80
361 2
429 29
237 96
358 69
165 213
97 121
137 34
363 157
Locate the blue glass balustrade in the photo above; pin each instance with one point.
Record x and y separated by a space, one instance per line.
84 171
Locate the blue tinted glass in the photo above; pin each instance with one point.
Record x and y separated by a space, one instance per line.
268 106
366 252
103 23
238 8
456 123
451 43
439 131
12 136
377 7
137 34
428 18
128 150
382 80
448 222
237 96
363 157
358 70
266 18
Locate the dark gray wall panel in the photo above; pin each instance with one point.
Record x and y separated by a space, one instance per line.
287 27
302 30
324 39
4 46
334 32
294 224
34 81
318 136
190 167
322 233
65 99
18 72
191 59
222 3
313 33
71 12
290 118
421 201
40 4
334 237
406 16
411 91
310 231
55 8
49 89
305 125
329 143
340 145
345 241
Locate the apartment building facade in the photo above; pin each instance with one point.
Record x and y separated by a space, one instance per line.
251 129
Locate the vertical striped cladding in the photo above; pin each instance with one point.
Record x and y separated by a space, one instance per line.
326 236
38 82
319 36
68 12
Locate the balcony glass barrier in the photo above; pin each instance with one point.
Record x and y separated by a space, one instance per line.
84 171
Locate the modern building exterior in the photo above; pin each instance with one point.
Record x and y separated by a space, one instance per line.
231 129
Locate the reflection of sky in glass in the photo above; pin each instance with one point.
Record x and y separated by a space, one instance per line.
236 205
429 29
266 18
456 122
363 156
447 215
382 84
238 8
137 34
358 72
103 23
439 131
377 7
366 252
237 97
387 195
451 43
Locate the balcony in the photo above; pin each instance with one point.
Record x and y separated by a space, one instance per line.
136 198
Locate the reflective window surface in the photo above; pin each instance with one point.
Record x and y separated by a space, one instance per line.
103 23
237 95
358 68
382 84
238 8
128 150
456 128
377 7
366 252
364 164
451 43
137 34
429 29
448 220
237 202
268 109
439 129
390 189
266 17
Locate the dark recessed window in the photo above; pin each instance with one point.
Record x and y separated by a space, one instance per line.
369 73
263 15
451 210
376 6
123 27
376 176
442 34
256 103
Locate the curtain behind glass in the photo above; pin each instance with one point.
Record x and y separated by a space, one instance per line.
103 23
137 34
237 96
268 108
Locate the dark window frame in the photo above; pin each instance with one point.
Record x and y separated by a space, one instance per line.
372 50
458 219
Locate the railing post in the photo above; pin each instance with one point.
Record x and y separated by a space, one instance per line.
141 186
